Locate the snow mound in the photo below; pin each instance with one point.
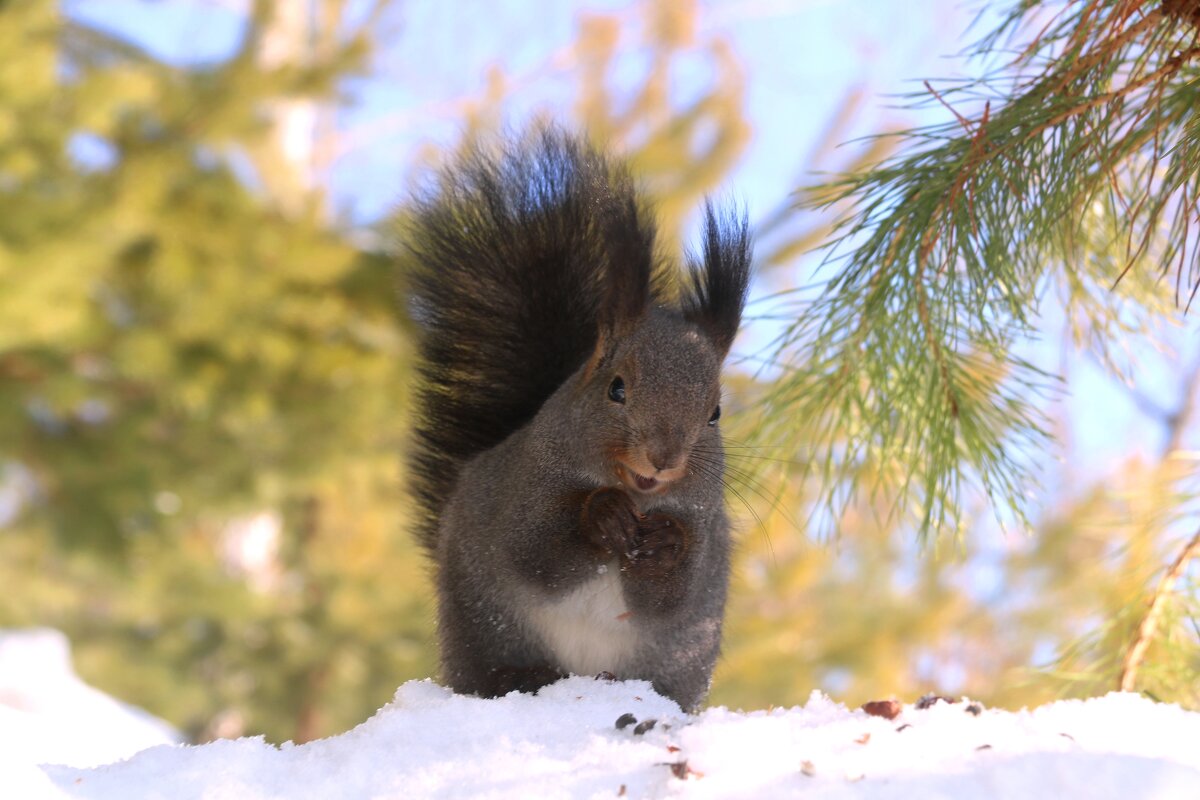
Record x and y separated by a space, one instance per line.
48 714
565 743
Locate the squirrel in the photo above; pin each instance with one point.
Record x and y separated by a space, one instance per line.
567 465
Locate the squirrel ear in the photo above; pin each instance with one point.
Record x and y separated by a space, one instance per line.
716 293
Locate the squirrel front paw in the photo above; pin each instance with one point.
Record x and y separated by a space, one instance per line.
648 545
658 546
610 521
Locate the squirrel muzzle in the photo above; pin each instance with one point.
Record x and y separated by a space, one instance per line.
638 471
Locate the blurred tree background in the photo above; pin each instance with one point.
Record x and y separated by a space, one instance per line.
204 380
204 372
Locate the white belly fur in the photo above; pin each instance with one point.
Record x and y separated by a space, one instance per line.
589 630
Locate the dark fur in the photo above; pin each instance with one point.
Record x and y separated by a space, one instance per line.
535 283
510 255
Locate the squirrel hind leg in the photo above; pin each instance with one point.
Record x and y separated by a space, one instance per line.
500 680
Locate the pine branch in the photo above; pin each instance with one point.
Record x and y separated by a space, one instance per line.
1149 624
907 357
1177 422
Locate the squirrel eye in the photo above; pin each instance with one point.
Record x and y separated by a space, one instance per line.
716 415
616 390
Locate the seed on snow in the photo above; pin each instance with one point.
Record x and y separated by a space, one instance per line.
644 725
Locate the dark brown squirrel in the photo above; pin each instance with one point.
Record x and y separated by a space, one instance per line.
568 463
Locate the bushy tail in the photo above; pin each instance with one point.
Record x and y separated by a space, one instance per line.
509 252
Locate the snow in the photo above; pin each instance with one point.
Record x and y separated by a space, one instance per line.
564 743
48 714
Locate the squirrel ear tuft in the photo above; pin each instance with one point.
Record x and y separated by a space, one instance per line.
628 264
716 293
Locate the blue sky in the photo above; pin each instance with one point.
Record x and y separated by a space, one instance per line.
800 57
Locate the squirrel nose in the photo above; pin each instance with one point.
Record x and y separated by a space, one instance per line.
665 459
665 448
